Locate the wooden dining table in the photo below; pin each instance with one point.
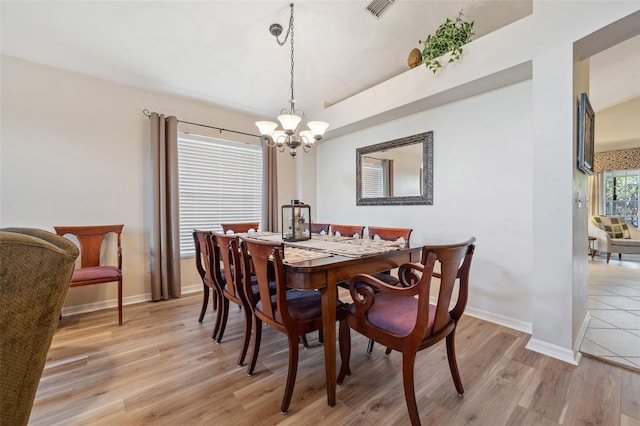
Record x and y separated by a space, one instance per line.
323 274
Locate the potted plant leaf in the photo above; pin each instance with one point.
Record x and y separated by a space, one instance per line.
448 38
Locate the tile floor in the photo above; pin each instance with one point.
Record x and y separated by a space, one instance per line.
613 333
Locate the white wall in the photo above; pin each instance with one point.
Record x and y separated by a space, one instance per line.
75 150
482 172
549 274
618 127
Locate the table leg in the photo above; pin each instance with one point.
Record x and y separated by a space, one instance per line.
329 295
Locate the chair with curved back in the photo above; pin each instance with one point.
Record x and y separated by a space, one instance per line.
387 234
237 228
213 277
292 312
317 228
35 272
233 291
347 230
396 318
91 271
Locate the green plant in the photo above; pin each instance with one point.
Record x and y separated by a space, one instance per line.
449 37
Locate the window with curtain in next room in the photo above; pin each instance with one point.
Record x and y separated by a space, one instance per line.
621 194
219 181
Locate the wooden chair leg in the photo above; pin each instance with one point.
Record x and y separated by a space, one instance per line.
225 315
303 339
222 311
120 301
205 302
369 347
408 359
215 299
291 375
256 346
619 256
387 352
453 365
608 257
345 351
248 321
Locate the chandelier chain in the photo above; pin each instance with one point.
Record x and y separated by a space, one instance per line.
292 63
291 118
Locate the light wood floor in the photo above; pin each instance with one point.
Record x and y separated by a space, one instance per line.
162 368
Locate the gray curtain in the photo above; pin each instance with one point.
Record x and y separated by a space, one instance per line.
269 188
165 227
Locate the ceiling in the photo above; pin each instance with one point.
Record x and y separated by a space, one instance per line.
221 51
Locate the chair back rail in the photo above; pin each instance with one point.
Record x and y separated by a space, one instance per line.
347 230
239 227
90 240
390 234
317 228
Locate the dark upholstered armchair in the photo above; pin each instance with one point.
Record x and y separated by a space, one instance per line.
35 272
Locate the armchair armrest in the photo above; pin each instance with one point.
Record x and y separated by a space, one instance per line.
363 288
603 241
634 232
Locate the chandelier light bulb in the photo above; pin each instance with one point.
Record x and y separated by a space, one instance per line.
318 127
266 128
289 122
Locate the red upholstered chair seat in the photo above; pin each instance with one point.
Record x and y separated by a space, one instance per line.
396 315
95 273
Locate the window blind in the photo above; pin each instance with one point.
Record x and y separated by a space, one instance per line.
372 180
219 181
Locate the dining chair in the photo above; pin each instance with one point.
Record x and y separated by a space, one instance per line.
213 276
387 234
396 318
200 242
239 227
233 291
292 312
347 230
91 271
317 228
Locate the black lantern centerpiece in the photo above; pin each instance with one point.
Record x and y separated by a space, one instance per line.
296 219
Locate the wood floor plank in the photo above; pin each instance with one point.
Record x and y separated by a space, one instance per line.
162 368
630 397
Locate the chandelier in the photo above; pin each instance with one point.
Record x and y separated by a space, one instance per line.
290 118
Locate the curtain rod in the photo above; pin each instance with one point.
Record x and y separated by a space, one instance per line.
148 114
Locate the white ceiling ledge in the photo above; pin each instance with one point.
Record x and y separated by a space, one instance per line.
486 64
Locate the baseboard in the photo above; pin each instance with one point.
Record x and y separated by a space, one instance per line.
554 351
505 321
581 333
113 303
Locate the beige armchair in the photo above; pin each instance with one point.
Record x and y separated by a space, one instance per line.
614 235
35 272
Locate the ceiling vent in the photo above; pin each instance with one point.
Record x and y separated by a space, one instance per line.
378 7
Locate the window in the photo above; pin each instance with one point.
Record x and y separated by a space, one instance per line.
372 180
219 181
621 194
